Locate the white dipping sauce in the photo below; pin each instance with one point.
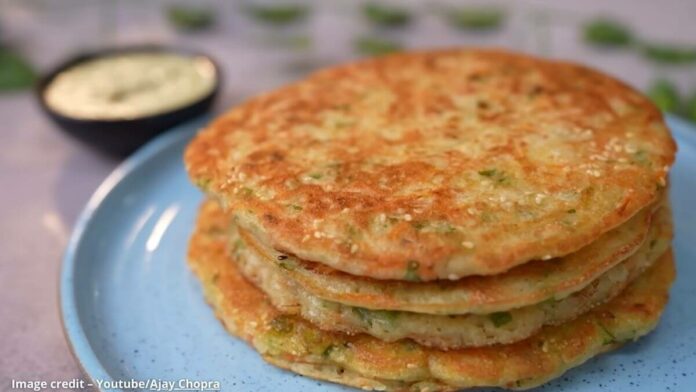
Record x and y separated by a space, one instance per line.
130 85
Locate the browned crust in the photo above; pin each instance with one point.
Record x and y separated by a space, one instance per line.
371 150
246 312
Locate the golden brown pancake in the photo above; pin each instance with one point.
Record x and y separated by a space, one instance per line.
363 361
436 165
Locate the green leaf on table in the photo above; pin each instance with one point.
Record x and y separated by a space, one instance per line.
279 15
608 33
190 18
669 54
375 46
690 108
15 72
476 19
665 95
386 16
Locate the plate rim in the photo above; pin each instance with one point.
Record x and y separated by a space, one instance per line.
74 333
73 330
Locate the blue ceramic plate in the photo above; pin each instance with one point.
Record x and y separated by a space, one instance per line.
132 309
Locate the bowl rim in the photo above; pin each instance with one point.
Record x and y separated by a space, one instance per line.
88 55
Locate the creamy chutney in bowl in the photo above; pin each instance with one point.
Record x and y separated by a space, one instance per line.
130 85
118 99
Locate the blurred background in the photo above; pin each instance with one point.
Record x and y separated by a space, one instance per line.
46 176
264 43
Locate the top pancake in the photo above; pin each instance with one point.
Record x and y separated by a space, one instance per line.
433 165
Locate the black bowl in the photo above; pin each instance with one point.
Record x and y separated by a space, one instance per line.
122 137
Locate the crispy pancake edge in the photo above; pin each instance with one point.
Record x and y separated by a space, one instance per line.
444 331
525 285
390 210
246 312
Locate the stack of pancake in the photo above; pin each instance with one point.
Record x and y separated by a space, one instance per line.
436 220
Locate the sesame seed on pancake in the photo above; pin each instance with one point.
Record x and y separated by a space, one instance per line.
436 165
364 361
